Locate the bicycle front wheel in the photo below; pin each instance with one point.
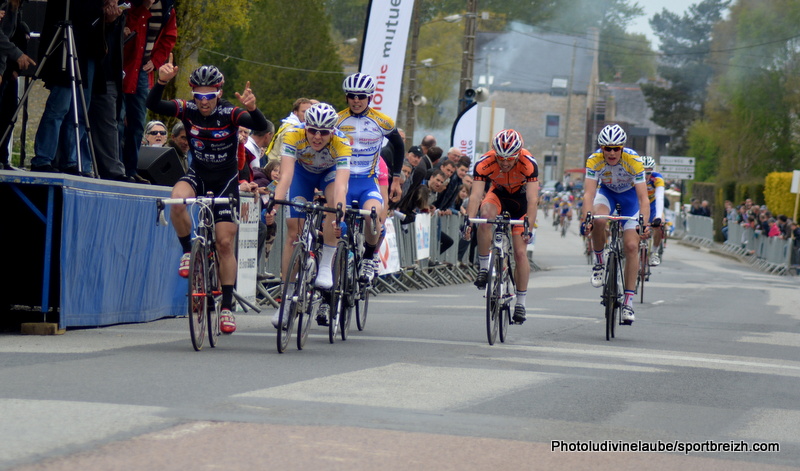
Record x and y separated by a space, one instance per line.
644 268
198 297
494 291
339 309
292 298
610 294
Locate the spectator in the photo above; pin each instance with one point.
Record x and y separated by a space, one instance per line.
179 142
454 154
13 45
150 35
107 100
155 134
447 197
296 116
426 144
255 145
774 230
728 218
434 154
89 49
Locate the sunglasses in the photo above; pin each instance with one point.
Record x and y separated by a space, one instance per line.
205 96
321 132
157 133
360 96
506 159
612 148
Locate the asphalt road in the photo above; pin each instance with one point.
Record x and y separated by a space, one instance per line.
711 358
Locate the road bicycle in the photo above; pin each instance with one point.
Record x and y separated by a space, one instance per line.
500 283
565 220
614 282
301 299
204 283
348 291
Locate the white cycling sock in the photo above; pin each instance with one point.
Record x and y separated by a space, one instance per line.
483 262
328 251
521 297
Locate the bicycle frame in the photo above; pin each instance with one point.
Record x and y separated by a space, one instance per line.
615 267
204 282
500 286
349 293
301 299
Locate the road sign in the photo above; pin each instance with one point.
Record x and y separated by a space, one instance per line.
677 175
672 160
676 168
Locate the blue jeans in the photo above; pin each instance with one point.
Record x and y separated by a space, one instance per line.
135 112
56 133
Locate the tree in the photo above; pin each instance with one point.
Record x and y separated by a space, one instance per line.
753 101
289 56
686 42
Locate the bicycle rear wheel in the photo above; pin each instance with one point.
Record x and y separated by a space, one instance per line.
494 291
291 300
339 310
610 294
213 300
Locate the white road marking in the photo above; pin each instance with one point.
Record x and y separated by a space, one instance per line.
407 386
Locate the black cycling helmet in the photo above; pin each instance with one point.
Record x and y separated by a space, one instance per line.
206 76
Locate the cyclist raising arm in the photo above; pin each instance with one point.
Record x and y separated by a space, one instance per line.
513 174
619 173
655 193
211 124
366 128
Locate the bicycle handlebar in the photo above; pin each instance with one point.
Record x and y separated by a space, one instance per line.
161 204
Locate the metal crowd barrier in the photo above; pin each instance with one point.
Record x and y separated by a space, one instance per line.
770 254
438 269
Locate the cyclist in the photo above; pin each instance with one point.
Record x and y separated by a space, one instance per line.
366 129
565 211
314 155
619 174
211 124
513 175
655 193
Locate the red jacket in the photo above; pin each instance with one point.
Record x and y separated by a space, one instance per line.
134 48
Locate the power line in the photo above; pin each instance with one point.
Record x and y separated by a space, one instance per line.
228 56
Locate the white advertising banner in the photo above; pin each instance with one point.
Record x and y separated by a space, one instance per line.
384 51
388 251
247 255
422 227
465 131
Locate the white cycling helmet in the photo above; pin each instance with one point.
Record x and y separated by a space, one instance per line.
359 83
649 162
322 116
612 135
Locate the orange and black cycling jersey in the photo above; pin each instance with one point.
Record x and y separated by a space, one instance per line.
524 171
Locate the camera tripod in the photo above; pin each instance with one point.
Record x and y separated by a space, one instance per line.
65 38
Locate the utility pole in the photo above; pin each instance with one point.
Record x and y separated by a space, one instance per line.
411 109
563 156
468 54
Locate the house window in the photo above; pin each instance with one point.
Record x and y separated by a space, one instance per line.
551 128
